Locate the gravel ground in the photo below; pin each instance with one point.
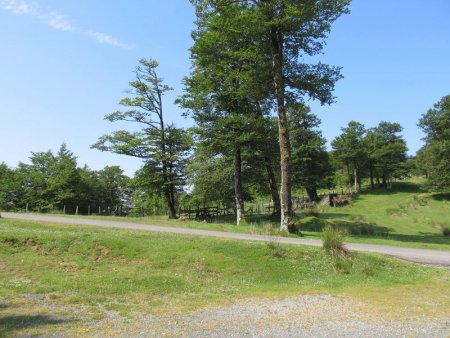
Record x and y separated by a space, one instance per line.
300 316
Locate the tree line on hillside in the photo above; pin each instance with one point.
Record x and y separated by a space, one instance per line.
253 134
375 156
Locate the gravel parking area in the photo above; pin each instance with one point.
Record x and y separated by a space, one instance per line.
302 316
299 316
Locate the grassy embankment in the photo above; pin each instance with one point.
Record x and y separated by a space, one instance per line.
97 270
403 216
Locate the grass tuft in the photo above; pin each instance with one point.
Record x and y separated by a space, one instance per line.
333 242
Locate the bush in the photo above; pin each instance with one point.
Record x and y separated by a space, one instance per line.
333 242
443 228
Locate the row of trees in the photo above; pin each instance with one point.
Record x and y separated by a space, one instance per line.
248 60
374 155
378 153
54 182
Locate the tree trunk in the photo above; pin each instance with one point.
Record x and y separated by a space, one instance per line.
171 201
384 183
270 174
273 188
312 194
349 176
238 191
372 183
287 222
356 179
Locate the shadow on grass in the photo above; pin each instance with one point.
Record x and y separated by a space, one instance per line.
353 228
254 219
423 238
441 197
397 187
12 323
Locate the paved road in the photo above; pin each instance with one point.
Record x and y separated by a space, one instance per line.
435 257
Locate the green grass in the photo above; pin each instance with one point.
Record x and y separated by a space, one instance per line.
91 263
403 216
119 270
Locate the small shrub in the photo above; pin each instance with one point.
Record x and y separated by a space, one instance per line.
444 229
333 242
276 248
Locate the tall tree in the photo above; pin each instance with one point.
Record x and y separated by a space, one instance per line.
349 148
286 31
151 143
435 154
221 93
386 152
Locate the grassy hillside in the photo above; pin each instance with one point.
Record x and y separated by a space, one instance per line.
93 270
403 216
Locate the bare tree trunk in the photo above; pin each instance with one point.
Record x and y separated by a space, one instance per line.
356 179
287 222
171 201
273 188
270 173
349 176
238 191
372 184
312 194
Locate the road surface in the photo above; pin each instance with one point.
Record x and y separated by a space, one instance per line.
424 256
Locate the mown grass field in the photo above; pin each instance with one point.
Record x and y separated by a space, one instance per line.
403 216
105 270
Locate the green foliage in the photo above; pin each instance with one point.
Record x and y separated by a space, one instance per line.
377 153
311 165
9 188
387 151
256 52
53 182
434 158
349 149
162 147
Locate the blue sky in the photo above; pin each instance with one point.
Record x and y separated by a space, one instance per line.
65 64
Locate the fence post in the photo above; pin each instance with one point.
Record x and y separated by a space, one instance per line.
76 210
64 209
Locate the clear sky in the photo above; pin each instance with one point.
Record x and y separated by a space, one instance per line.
65 64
